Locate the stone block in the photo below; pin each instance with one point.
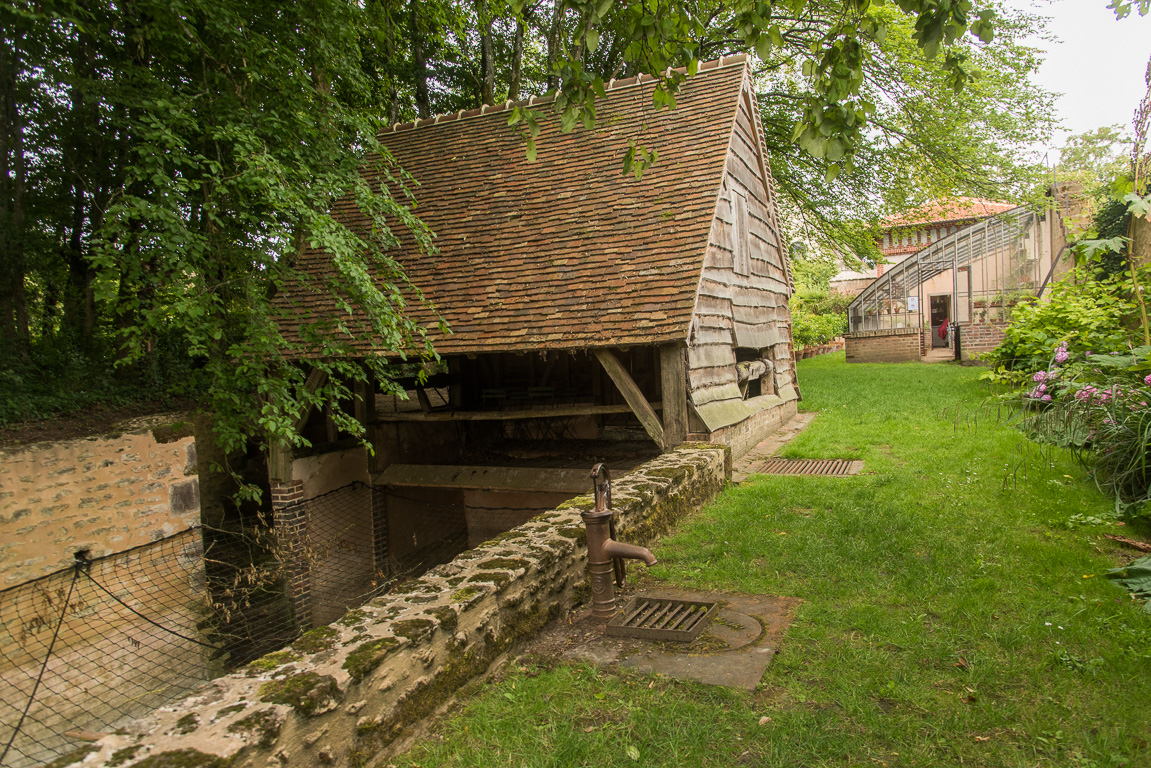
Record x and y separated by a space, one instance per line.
184 497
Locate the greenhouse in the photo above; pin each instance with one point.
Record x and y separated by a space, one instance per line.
968 281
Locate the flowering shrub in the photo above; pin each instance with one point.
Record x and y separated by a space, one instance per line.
1098 407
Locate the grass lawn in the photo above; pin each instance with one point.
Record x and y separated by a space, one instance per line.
952 616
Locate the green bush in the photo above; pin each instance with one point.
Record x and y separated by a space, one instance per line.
1089 309
809 330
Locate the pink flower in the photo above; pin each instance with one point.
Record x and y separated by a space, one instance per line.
1046 398
1042 376
1061 354
1147 379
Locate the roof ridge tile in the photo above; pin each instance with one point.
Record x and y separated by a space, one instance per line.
532 101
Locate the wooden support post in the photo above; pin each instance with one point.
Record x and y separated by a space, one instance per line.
673 377
365 399
632 394
280 462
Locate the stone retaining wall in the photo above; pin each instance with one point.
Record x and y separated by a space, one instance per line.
344 692
104 494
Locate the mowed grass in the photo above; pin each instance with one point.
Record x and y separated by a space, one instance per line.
950 615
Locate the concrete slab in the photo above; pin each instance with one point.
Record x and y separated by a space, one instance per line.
734 651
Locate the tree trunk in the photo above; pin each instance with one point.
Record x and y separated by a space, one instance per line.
419 63
487 60
517 62
554 39
13 171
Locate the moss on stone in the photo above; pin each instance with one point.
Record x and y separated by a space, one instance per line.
183 758
262 724
368 656
414 629
576 532
510 535
579 503
455 581
73 757
582 593
446 617
187 724
421 599
316 640
121 756
675 474
504 563
231 710
273 661
353 617
413 586
465 594
307 692
498 578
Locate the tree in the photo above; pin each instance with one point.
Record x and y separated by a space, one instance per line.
184 155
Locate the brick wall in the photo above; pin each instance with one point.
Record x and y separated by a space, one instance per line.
747 434
360 684
897 345
106 494
977 338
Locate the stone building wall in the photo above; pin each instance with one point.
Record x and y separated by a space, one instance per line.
104 494
343 693
122 623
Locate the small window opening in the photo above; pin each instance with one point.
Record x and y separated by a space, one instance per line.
754 373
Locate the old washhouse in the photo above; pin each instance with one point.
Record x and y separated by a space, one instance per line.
593 316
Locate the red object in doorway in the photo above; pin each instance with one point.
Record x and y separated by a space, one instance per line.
942 329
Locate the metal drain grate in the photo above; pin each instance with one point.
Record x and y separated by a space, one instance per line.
662 619
822 467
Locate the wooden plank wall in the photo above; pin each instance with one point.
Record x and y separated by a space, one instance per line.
744 310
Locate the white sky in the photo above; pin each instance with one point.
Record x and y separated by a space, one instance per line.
1097 64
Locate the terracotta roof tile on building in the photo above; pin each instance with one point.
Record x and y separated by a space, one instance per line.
943 211
563 252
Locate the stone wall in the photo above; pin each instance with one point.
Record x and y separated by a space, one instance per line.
344 692
128 621
105 494
979 337
896 345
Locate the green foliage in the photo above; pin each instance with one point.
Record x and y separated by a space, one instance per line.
1091 311
1135 576
809 330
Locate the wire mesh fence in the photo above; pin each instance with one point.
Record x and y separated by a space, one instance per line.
87 649
91 647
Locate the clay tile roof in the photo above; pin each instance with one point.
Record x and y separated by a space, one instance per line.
945 211
563 252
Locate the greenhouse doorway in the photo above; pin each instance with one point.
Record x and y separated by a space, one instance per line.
940 317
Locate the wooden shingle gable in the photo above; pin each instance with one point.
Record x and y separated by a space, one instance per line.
741 301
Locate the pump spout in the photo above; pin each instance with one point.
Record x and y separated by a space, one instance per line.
613 549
